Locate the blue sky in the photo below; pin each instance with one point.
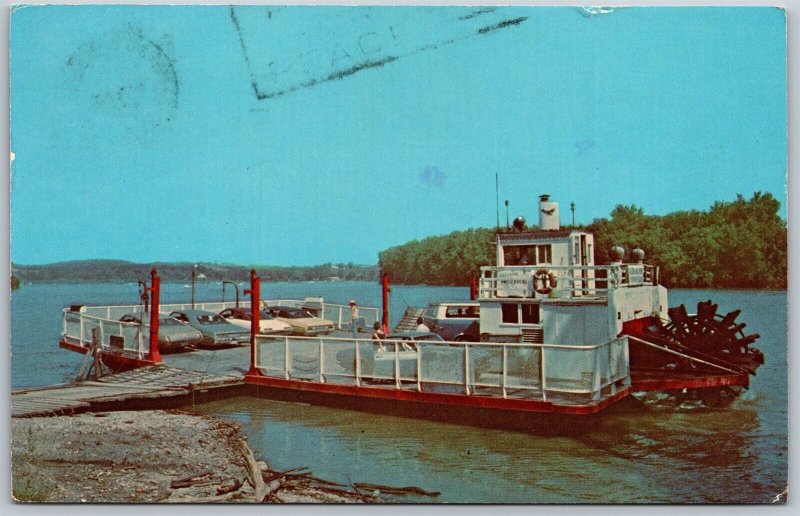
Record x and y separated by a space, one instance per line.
303 135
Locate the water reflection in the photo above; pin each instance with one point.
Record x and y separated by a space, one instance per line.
632 454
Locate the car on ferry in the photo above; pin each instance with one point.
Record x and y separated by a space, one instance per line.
173 335
301 321
267 324
217 332
378 356
455 321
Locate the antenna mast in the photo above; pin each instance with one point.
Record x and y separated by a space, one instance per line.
497 198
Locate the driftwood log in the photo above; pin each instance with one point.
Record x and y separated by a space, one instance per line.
410 490
255 475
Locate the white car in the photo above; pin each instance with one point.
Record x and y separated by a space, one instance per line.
267 324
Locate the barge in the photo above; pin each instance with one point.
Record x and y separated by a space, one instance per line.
558 335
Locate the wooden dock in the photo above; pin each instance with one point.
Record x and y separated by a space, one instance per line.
148 387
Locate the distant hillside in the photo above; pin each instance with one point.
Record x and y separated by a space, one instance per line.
98 271
738 244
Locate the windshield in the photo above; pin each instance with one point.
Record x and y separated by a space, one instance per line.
265 315
210 319
295 314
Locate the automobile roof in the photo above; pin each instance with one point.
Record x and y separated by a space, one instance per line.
195 312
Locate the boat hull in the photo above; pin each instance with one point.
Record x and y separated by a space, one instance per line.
367 396
117 362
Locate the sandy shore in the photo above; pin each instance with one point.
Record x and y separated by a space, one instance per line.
150 456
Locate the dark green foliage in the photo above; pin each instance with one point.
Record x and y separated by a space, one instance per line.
121 271
739 244
440 260
14 282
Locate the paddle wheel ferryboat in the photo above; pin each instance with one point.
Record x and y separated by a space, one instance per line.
558 334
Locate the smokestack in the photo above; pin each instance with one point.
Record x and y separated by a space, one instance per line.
548 214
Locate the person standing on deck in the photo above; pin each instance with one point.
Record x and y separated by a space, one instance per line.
354 317
421 326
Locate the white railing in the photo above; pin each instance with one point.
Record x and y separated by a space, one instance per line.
571 281
579 373
77 326
339 314
113 335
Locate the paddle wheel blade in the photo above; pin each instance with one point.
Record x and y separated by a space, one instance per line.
705 352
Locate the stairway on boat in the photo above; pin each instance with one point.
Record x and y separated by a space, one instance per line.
409 320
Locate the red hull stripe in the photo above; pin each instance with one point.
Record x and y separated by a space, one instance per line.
434 398
114 361
662 384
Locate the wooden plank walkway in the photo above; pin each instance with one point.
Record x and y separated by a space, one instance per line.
147 383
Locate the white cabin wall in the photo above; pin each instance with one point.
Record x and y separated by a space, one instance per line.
628 304
576 324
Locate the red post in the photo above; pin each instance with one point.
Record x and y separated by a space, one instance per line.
255 318
155 288
385 288
473 287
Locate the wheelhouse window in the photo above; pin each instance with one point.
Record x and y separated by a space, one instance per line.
527 254
519 255
510 313
544 253
530 314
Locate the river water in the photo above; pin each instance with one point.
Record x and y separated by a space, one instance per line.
632 454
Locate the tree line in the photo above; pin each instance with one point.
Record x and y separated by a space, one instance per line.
737 244
122 271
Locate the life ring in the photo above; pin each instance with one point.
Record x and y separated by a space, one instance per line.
544 281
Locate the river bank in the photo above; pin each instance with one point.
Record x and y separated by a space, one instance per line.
152 457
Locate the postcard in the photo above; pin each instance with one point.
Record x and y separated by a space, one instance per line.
398 254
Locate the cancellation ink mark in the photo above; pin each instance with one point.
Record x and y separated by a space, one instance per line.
284 73
478 12
123 79
502 25
235 21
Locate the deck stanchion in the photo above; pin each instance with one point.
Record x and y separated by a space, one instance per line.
396 365
286 357
385 295
596 376
255 318
419 367
543 374
503 367
358 366
466 368
155 290
321 362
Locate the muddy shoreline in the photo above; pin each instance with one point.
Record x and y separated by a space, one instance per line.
155 456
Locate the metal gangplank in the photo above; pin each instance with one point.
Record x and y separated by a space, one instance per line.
152 386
